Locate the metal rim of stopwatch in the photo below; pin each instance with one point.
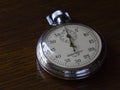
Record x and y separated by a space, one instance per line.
68 73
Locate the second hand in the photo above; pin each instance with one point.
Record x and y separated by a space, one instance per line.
70 38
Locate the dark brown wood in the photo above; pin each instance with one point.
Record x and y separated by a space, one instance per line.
23 21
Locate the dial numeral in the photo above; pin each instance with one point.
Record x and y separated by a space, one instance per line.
58 56
67 61
78 60
91 49
53 49
91 41
86 34
86 56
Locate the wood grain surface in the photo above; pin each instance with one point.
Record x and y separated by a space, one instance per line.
23 21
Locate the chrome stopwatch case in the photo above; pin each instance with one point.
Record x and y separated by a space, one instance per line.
70 50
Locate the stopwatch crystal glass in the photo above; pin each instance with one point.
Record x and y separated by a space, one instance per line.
71 46
69 50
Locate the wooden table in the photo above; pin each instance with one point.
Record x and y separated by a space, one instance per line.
23 21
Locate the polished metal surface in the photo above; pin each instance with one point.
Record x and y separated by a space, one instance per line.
58 17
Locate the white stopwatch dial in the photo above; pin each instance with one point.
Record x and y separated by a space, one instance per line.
69 48
85 48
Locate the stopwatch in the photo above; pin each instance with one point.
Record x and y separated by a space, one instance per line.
68 50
